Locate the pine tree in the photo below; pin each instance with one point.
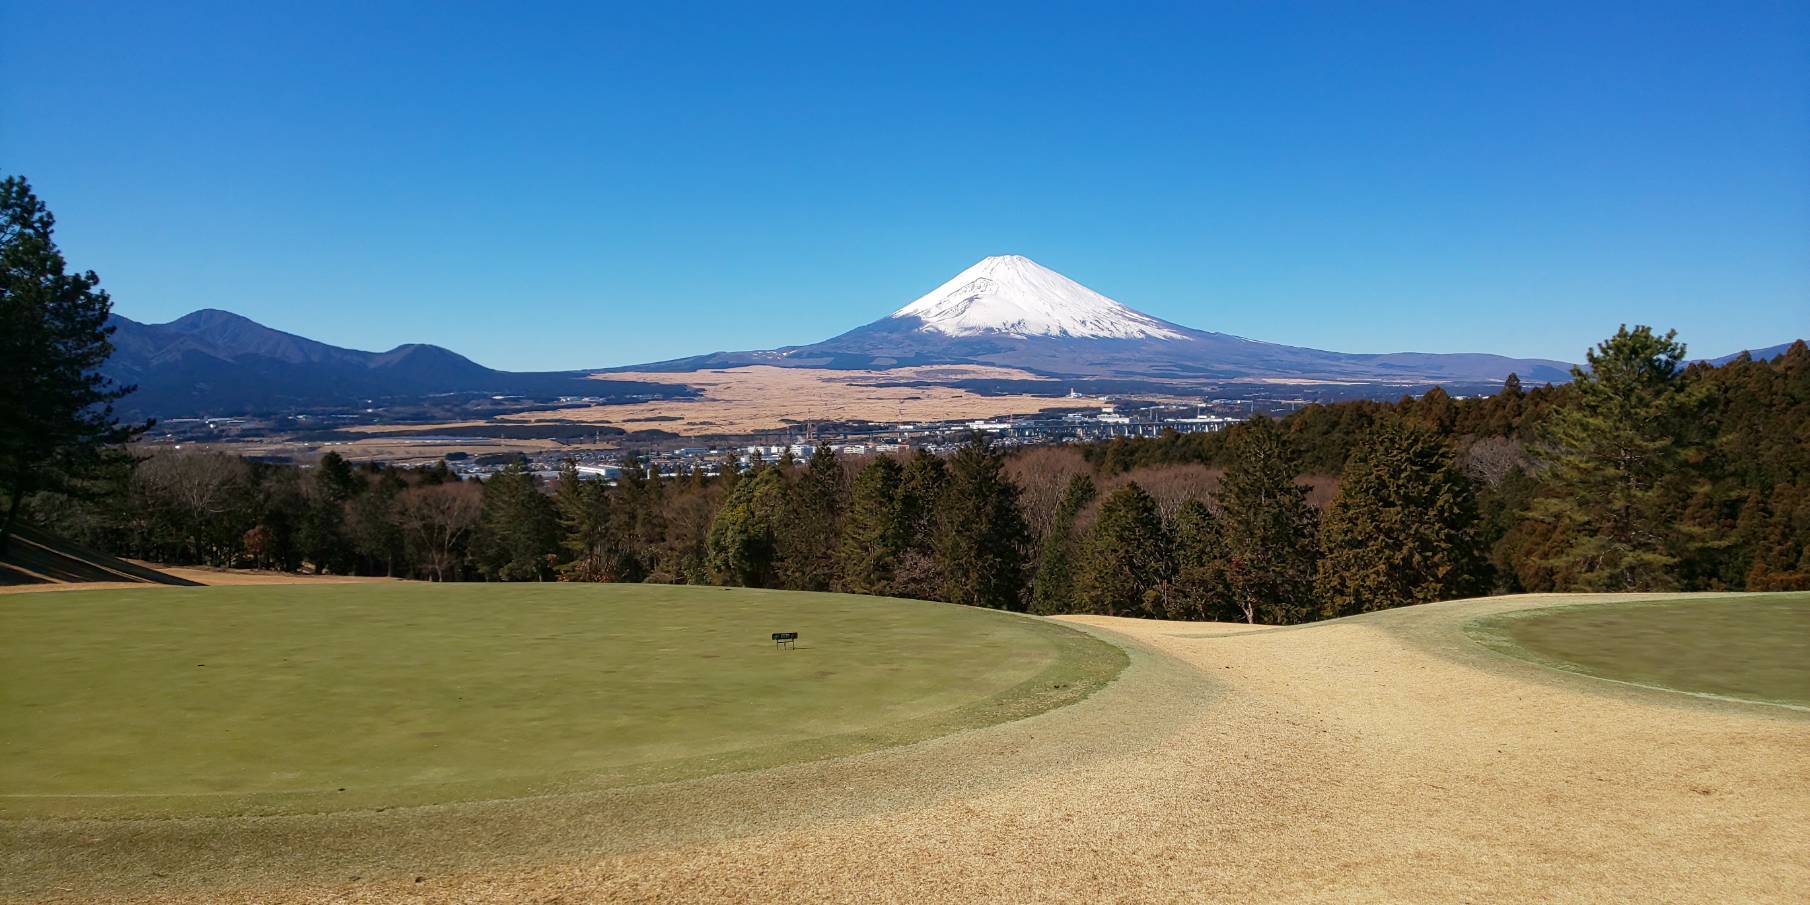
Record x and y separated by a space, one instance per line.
1608 450
807 538
56 407
517 529
648 541
1053 590
1125 563
921 488
1268 526
635 526
584 520
322 537
981 536
920 492
873 535
1403 529
1203 587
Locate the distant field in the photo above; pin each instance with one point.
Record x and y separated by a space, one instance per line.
761 397
1754 648
253 700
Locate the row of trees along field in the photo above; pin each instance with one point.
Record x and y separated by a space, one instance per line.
1641 473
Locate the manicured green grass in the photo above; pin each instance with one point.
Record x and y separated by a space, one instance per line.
215 701
1754 648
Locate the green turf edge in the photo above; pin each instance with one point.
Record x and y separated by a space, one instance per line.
1083 665
1489 633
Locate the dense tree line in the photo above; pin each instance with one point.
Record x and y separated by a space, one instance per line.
1642 473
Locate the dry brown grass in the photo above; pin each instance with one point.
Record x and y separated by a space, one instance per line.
1385 758
762 397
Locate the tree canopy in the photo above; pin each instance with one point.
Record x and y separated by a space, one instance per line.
57 425
1403 527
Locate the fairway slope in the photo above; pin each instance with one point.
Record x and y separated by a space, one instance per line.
1382 758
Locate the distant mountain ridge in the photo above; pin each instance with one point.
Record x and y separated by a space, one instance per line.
1767 354
212 362
1006 311
1010 311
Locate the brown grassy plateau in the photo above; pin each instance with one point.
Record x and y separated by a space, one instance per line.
744 400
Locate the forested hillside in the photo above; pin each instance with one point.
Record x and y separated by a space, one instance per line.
1642 473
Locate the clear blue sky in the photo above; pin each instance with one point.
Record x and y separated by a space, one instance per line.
585 185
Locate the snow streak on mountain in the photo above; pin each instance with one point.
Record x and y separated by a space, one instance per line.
1011 295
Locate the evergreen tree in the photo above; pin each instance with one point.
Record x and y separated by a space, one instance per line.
1403 529
1203 587
55 406
1053 590
873 534
981 537
1125 564
742 548
648 540
920 495
807 540
632 520
1268 526
1609 449
322 537
920 492
518 529
583 509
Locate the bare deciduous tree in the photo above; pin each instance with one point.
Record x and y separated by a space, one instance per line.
1041 475
436 521
203 493
1490 459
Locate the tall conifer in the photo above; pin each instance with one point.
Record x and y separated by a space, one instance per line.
1403 529
1269 527
1053 590
1125 563
1609 449
981 536
873 534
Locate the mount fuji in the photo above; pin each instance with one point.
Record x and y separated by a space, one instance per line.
1010 311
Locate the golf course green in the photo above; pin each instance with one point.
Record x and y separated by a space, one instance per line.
1749 648
272 700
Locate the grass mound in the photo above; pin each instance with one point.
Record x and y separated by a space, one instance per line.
1750 648
267 700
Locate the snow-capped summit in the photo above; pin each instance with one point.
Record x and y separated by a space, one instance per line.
1009 312
1012 295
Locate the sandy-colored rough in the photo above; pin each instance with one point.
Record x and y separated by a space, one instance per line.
1384 758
